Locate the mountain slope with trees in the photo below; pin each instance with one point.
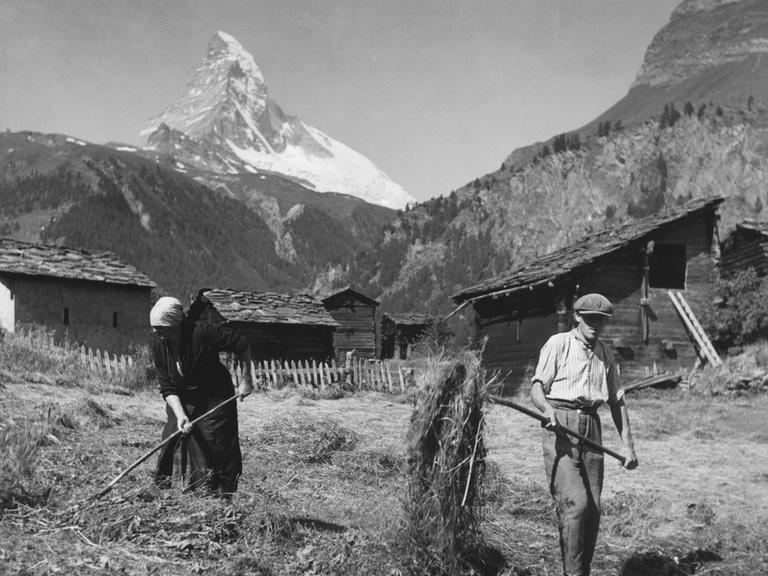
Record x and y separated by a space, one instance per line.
517 213
693 124
257 233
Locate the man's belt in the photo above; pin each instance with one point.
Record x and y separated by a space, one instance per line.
581 407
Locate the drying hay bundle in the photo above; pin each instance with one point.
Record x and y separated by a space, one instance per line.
446 466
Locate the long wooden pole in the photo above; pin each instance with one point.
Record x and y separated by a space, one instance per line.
544 420
166 441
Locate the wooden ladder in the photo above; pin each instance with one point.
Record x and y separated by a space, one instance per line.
705 345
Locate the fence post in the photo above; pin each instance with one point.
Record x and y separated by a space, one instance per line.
252 369
294 373
321 373
108 362
313 371
302 375
273 365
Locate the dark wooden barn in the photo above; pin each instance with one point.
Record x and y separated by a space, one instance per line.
279 326
356 315
401 331
89 298
635 265
745 247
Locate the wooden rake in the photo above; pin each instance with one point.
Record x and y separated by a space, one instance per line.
544 420
165 442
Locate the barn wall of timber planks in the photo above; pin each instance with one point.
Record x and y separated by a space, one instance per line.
88 298
745 247
399 332
356 315
646 332
278 326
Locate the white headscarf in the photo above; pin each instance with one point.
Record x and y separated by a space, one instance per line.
167 311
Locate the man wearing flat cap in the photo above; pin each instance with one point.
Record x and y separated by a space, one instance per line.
575 375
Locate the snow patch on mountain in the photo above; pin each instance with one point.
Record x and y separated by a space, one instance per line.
226 123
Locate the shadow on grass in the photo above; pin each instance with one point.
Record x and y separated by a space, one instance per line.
316 524
644 563
489 561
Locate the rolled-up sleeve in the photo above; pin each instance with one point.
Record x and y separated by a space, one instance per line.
160 360
615 392
546 369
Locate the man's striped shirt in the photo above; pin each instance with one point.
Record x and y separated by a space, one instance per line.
569 369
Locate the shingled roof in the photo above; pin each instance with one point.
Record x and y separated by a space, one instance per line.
268 307
753 226
30 259
350 290
409 319
589 250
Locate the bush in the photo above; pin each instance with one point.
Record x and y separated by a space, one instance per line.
19 448
739 314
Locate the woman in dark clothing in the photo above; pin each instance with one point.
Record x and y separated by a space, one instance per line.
192 381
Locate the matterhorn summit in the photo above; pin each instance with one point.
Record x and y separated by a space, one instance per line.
227 123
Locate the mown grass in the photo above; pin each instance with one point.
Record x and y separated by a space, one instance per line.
324 488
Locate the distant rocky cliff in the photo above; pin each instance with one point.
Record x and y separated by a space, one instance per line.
693 124
703 35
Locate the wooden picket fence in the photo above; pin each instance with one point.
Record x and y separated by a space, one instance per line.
102 362
359 374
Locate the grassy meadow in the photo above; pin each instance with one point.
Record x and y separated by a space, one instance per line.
325 485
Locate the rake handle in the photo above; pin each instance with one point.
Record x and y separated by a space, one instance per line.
166 441
544 420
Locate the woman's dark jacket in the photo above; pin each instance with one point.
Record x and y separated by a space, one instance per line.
210 454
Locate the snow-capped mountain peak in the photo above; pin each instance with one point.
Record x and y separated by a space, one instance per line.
226 122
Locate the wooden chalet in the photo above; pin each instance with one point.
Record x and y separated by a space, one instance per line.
401 331
279 326
356 315
745 247
635 265
89 298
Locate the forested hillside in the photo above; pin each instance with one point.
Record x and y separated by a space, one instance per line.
183 228
176 231
570 186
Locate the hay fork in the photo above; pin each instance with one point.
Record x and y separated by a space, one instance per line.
544 420
157 447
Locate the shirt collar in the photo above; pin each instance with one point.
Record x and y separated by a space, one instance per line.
575 334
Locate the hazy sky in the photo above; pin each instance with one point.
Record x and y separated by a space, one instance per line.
435 92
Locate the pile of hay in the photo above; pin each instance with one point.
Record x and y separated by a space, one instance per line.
446 467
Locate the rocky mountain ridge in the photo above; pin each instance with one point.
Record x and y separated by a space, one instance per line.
697 131
704 34
226 123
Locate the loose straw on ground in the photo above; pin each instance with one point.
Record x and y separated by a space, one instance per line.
157 447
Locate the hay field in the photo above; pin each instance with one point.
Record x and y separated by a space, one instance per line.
324 483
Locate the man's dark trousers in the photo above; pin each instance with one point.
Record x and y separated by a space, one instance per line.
575 474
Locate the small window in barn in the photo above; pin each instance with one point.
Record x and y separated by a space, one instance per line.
667 265
114 319
65 318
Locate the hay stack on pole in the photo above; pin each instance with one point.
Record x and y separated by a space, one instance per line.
446 466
